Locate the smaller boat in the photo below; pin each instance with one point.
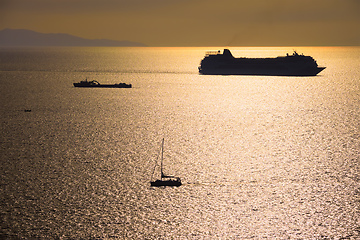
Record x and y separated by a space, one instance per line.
165 180
96 84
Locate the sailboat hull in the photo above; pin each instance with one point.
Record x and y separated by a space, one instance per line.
162 183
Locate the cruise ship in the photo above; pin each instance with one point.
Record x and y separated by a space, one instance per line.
217 63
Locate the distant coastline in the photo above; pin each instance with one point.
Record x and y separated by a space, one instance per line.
28 38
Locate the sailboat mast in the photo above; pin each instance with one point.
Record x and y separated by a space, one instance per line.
162 156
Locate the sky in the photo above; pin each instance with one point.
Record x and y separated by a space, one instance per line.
193 22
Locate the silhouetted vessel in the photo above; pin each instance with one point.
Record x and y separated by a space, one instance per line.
96 84
164 179
215 63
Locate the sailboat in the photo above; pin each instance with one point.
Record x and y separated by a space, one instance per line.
165 180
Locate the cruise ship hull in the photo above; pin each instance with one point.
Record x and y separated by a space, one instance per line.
261 71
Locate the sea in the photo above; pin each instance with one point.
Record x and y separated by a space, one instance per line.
260 157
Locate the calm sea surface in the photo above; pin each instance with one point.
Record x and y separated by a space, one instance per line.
260 157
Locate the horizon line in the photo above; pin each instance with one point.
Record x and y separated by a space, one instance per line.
164 46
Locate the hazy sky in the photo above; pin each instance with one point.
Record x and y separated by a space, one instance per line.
192 22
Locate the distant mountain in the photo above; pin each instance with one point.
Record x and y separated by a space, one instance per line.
21 37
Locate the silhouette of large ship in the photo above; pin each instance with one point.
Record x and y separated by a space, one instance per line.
217 63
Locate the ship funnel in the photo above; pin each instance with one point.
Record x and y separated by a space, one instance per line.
227 53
